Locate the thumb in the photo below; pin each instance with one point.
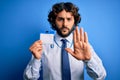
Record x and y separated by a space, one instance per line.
70 51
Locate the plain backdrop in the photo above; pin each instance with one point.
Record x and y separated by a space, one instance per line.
21 22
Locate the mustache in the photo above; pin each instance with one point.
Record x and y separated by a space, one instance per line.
65 27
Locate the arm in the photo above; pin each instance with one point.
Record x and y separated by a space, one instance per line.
83 51
95 67
32 70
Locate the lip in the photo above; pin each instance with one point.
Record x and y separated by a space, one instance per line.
65 29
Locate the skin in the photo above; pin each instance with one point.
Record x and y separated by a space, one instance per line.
64 22
81 45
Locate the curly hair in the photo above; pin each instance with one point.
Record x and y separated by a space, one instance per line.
68 7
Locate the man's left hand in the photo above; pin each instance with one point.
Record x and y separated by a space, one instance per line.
81 45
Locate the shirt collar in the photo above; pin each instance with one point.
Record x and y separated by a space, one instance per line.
59 38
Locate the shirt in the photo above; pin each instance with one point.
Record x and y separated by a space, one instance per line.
51 63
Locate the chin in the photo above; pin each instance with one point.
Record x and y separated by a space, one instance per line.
65 35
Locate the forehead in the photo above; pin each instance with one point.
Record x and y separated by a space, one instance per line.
65 14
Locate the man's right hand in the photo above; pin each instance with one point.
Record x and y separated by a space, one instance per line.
36 49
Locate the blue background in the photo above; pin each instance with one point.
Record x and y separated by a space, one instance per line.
21 22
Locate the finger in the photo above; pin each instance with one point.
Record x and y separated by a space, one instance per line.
85 37
36 50
39 49
39 41
81 34
36 43
37 46
77 34
70 51
33 46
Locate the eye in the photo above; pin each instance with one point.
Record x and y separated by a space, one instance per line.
60 19
69 19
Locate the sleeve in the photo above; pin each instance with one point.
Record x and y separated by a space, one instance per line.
95 68
32 70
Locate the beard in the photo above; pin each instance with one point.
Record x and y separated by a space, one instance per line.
59 31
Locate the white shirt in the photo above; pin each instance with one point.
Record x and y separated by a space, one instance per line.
51 62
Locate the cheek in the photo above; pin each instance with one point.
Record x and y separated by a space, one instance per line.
71 25
58 24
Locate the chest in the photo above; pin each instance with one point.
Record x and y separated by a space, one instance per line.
52 59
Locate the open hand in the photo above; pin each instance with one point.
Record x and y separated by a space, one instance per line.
81 45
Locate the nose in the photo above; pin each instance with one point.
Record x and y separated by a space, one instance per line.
65 22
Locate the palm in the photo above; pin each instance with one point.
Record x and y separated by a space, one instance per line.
81 51
81 46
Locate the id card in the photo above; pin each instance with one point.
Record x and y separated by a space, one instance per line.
47 38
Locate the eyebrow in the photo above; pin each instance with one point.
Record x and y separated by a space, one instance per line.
63 17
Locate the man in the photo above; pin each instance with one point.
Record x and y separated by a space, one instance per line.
48 62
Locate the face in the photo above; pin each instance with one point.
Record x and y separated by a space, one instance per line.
64 23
